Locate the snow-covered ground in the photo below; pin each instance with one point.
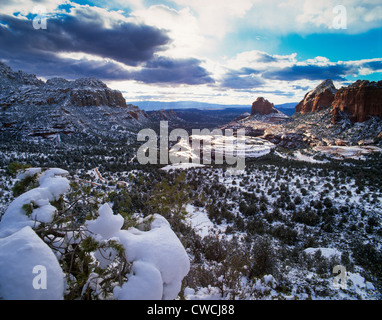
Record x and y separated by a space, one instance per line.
219 146
326 252
260 187
182 166
302 157
348 152
297 155
198 219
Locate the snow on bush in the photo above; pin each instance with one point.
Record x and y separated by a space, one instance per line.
145 283
157 258
21 249
107 224
52 185
161 248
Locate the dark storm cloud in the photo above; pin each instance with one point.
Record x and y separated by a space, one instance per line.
128 43
51 66
309 72
35 51
247 78
335 71
166 70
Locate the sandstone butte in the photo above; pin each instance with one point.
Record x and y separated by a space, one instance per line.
262 106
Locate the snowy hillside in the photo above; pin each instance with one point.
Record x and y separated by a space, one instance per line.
62 110
274 232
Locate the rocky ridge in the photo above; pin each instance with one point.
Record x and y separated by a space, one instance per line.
320 98
59 108
359 101
21 88
350 116
165 115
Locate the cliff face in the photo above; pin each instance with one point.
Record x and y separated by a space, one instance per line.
22 88
361 100
107 97
262 106
85 108
93 92
318 99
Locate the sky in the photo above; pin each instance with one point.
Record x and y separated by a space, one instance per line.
216 51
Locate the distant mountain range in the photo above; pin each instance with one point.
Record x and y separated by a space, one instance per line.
287 108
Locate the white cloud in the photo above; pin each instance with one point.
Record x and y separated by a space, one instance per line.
216 17
260 60
291 16
182 26
110 18
317 61
24 7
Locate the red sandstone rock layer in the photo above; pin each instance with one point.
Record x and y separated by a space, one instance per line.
361 100
319 98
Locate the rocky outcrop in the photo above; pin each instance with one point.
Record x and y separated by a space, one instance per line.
264 111
262 106
104 97
9 78
288 140
22 88
88 92
61 108
361 100
136 113
165 115
320 98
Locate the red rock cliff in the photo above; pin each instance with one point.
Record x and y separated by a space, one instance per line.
319 98
362 99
